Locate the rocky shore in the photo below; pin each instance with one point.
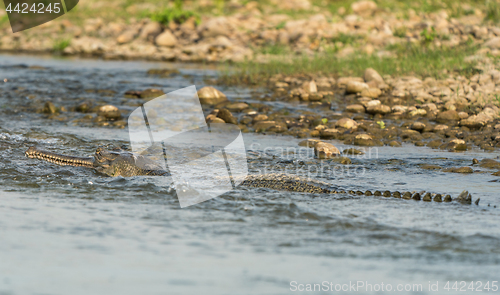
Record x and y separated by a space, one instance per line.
242 34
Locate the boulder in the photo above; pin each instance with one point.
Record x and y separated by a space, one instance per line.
211 96
493 43
324 150
346 123
166 39
226 115
379 109
372 75
150 31
355 87
364 8
355 108
109 112
371 92
447 116
126 37
151 93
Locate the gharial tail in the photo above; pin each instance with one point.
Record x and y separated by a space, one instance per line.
298 184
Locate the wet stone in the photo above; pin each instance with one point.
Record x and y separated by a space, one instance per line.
323 150
368 193
416 197
407 195
447 198
459 170
427 197
151 93
226 115
109 112
352 151
49 108
163 72
396 194
387 194
377 193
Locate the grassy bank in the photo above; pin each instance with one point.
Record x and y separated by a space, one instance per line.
417 60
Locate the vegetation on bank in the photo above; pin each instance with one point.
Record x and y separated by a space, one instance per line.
411 59
176 14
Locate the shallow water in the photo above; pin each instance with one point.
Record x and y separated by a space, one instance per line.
67 230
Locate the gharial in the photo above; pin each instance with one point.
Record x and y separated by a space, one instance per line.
118 162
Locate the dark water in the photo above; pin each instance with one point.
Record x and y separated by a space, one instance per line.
68 230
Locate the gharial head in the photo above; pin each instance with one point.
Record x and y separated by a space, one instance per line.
105 158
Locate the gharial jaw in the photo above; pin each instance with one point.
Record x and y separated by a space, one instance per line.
63 160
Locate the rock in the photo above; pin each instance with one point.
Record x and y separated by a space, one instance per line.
455 145
226 115
310 87
151 93
364 8
211 96
50 108
237 107
355 108
355 87
372 75
441 127
367 103
309 143
379 109
371 92
418 112
493 43
109 112
126 37
260 117
346 123
489 164
324 150
352 151
163 72
262 126
447 116
214 119
459 170
330 133
394 143
429 167
166 39
418 126
463 115
150 31
216 26
479 120
364 140
84 107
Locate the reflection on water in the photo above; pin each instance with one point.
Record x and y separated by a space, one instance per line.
69 230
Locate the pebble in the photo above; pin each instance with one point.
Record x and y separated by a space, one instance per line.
323 150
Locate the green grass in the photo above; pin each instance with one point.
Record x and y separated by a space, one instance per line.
61 44
421 61
176 14
493 11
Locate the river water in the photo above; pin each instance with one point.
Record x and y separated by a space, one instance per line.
67 230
